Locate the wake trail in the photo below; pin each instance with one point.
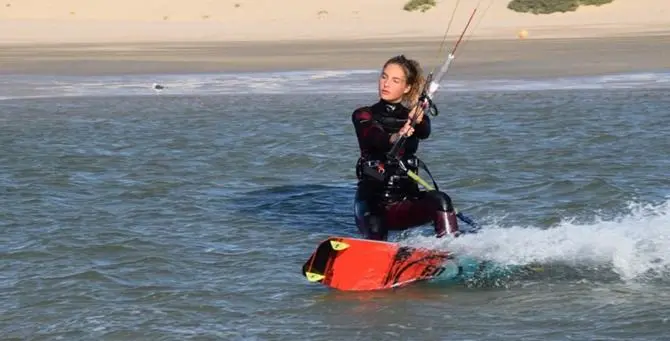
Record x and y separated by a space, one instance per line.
634 246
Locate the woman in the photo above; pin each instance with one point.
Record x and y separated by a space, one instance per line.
386 198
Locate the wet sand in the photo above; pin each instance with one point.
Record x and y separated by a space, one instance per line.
474 59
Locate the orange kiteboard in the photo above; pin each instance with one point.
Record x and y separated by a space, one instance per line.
359 264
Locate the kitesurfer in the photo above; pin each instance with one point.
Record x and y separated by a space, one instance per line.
387 199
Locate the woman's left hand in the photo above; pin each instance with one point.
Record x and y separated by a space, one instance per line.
416 114
406 130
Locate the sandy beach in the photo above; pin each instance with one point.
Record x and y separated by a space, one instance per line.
109 37
479 59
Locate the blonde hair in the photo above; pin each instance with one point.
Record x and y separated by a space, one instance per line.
414 75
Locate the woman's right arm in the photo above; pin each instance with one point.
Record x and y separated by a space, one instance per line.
370 134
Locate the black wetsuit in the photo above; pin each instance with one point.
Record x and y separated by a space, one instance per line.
386 198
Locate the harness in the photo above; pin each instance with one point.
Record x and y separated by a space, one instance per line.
390 173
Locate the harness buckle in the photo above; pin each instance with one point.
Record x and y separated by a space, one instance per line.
377 165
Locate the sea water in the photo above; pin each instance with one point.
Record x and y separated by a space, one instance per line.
186 214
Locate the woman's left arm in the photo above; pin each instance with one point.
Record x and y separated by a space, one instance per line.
422 128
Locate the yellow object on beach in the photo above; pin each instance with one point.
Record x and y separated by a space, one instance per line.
523 34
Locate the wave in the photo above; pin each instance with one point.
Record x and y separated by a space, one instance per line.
634 247
292 82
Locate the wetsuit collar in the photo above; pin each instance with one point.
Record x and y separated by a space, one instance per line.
388 106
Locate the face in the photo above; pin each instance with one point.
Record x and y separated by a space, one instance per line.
393 83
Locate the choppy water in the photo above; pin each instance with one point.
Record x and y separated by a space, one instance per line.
129 215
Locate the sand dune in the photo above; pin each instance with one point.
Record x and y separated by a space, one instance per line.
48 21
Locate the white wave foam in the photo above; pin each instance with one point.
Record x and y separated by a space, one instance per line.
620 81
292 82
635 246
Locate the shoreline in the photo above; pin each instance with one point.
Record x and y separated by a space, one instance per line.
475 59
